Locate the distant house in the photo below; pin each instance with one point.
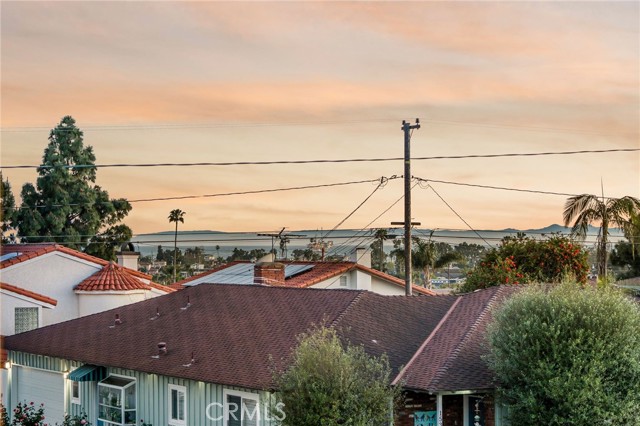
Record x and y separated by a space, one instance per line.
73 284
181 359
44 284
354 275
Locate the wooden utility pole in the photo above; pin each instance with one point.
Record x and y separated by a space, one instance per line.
406 128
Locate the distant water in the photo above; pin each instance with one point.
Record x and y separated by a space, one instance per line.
343 241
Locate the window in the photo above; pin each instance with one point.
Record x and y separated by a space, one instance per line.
26 319
75 392
241 408
117 401
343 281
177 405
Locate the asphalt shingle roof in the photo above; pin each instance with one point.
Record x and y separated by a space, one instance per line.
236 333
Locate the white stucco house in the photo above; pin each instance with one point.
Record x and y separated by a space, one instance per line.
44 284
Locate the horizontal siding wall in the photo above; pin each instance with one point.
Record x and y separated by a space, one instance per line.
152 393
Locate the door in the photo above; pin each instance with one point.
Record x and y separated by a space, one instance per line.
41 387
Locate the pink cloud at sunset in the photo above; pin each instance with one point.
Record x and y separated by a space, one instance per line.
252 81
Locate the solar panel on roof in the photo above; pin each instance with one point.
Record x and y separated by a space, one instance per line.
291 270
9 256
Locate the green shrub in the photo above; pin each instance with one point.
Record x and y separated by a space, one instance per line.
568 356
329 383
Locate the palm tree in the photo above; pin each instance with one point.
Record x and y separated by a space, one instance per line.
380 236
426 257
584 209
176 216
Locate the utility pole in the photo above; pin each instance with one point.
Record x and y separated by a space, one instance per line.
406 128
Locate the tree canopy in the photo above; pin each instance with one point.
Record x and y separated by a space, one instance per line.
65 205
523 260
584 209
330 383
568 356
8 207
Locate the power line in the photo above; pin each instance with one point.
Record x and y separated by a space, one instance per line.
327 161
457 214
225 194
502 188
180 126
383 182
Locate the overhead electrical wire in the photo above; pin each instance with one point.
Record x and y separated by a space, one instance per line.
382 183
460 217
326 161
224 194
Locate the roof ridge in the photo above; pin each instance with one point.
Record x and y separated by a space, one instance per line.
347 309
427 340
456 351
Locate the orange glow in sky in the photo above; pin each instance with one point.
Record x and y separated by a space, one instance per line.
181 82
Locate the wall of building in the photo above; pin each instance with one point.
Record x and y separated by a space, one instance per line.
54 275
152 393
9 303
99 301
453 409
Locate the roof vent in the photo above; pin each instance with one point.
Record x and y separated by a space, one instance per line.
162 350
193 361
117 321
157 314
187 306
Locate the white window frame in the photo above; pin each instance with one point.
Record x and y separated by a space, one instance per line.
242 395
183 390
122 389
75 399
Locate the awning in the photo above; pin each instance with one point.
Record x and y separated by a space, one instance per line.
88 373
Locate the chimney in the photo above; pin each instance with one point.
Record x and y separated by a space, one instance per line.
268 273
362 256
128 256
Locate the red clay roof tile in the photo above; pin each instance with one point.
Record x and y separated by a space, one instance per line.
111 278
32 294
30 251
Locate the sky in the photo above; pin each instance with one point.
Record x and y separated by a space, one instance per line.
186 82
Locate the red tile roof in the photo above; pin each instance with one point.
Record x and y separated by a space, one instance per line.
322 270
30 251
31 294
111 278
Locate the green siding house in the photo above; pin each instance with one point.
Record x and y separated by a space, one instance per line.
204 356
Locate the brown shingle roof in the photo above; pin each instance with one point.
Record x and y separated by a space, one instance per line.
234 331
31 294
451 357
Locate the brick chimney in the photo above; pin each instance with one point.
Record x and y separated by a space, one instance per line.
268 273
